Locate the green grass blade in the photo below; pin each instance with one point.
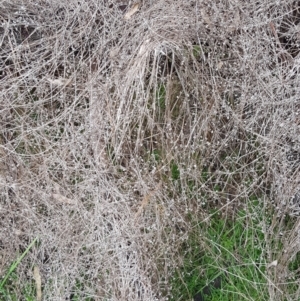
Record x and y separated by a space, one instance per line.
16 263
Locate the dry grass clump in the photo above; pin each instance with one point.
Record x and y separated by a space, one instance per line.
116 131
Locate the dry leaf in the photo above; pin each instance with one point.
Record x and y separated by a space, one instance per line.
59 81
62 199
38 283
205 17
273 264
135 7
144 47
143 204
237 19
219 65
114 52
145 201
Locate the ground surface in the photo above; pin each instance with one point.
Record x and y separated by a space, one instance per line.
149 150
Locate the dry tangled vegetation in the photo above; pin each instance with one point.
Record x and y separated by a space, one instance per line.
123 123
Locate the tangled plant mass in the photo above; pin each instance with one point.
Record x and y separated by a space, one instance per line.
120 120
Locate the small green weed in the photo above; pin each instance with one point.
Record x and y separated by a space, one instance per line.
157 155
78 294
197 51
161 97
9 282
224 260
175 171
